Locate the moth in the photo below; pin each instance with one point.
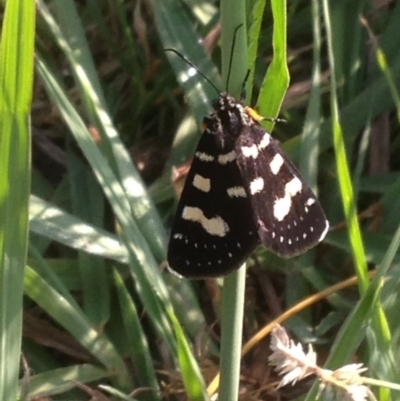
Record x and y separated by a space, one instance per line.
241 192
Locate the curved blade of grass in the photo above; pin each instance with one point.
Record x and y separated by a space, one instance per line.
348 341
383 65
52 222
58 381
176 32
16 78
72 41
132 186
374 97
191 374
148 280
117 394
369 103
139 348
70 316
345 184
88 203
308 164
48 220
376 245
310 135
276 81
350 335
349 54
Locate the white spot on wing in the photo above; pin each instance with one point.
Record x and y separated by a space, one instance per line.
264 141
282 206
293 187
178 236
256 185
236 192
202 183
276 164
214 226
310 201
250 151
204 157
227 157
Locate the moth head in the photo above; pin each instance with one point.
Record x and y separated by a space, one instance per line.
224 102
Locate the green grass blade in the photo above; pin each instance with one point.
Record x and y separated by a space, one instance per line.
191 374
144 267
54 223
276 80
138 346
88 204
16 78
345 184
382 334
310 135
383 65
57 381
69 35
177 32
353 331
69 315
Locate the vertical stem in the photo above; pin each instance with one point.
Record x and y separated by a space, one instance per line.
233 14
231 337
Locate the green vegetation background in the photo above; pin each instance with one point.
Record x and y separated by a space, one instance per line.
91 303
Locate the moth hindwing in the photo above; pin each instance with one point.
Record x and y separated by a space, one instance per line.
241 191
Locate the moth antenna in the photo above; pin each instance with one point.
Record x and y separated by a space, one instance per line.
231 56
193 66
243 91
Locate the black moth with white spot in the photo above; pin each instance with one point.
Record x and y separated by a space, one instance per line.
241 191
